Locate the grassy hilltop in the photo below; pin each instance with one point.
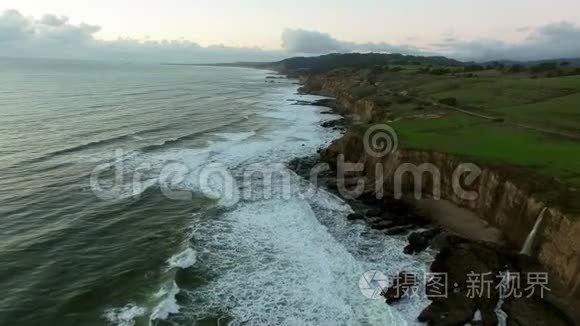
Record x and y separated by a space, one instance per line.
527 115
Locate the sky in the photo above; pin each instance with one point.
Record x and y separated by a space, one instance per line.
202 30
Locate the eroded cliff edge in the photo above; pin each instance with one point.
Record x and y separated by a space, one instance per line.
507 197
501 201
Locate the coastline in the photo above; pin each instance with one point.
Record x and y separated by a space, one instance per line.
462 237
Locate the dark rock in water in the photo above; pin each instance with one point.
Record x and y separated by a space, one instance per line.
333 123
444 239
350 182
302 166
416 220
329 103
382 225
419 241
454 310
377 219
461 259
400 229
325 102
403 286
301 102
332 185
439 241
431 233
355 216
370 198
374 212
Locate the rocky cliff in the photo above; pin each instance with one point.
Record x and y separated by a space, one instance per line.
506 197
350 96
501 201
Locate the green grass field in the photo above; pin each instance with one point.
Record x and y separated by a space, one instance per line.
544 103
493 142
556 113
481 141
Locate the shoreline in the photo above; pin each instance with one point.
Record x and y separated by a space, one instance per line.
463 239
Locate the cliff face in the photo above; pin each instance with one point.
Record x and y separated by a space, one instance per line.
502 196
355 107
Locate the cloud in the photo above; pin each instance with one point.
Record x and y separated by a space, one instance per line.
303 41
524 29
552 41
13 26
313 42
54 36
53 20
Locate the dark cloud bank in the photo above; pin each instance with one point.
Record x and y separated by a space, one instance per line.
54 36
553 41
312 42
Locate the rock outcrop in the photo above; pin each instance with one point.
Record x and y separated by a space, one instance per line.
402 286
503 200
506 197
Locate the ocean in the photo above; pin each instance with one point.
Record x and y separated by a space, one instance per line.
147 194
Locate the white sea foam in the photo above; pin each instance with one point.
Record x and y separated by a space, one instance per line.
168 304
281 266
477 315
238 136
124 316
293 261
184 259
288 262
